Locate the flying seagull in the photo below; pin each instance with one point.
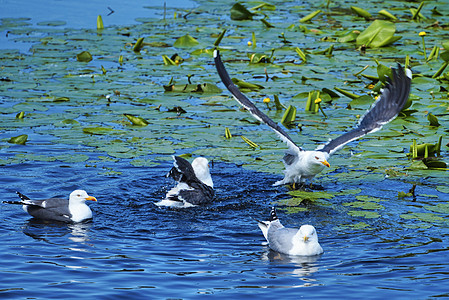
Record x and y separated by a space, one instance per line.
195 185
57 209
302 165
302 241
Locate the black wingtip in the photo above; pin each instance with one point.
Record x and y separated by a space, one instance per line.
22 196
273 216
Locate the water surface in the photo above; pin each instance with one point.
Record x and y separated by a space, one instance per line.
377 245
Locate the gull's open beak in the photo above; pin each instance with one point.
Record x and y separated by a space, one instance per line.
91 198
326 163
306 238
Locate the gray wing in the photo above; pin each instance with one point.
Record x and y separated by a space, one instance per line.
50 209
280 239
56 213
246 103
390 103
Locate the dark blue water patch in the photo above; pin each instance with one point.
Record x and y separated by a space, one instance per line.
133 248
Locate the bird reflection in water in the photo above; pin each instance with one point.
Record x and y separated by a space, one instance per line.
302 266
51 231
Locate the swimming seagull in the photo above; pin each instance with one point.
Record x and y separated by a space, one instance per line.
195 185
302 241
72 210
302 165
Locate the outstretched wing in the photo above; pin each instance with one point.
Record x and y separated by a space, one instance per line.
386 108
246 103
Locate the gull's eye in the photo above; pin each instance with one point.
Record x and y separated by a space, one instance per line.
317 158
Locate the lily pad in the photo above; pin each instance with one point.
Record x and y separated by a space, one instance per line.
240 12
84 56
138 121
185 41
97 130
380 33
21 139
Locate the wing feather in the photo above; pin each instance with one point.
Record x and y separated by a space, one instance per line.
385 109
246 103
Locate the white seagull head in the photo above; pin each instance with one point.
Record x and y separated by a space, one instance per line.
307 234
305 242
316 160
200 166
80 196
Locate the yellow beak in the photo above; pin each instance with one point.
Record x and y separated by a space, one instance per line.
306 238
91 198
326 163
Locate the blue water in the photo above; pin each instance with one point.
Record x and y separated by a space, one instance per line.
133 249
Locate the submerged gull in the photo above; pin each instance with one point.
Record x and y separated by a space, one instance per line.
72 210
302 241
194 186
302 165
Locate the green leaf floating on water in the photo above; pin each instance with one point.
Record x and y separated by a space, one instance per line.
228 134
138 121
193 88
20 140
310 16
240 13
387 14
97 130
383 72
20 115
249 142
219 38
84 56
246 85
433 163
445 45
301 54
364 214
346 93
168 61
100 22
425 150
264 6
433 120
138 45
61 99
256 58
380 33
424 217
289 115
361 12
349 37
185 41
312 196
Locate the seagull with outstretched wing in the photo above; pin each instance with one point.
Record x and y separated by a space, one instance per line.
302 165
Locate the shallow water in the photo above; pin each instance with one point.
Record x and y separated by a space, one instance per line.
377 245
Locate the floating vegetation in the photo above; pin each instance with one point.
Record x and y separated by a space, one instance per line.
84 56
152 88
20 140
